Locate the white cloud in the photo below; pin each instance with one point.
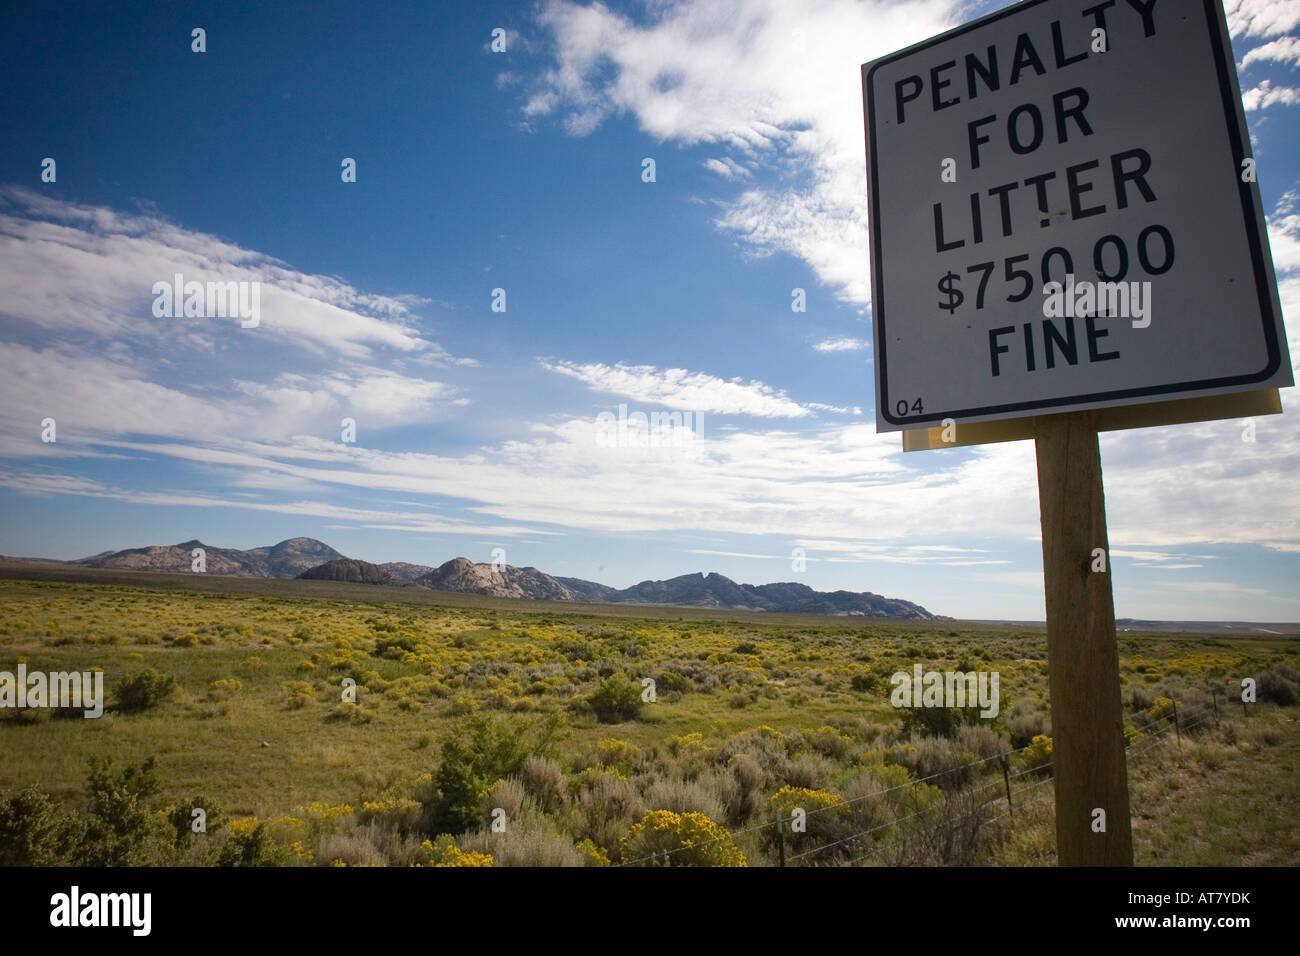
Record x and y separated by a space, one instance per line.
1261 18
688 391
842 345
90 271
1029 580
743 554
775 83
1216 588
727 168
1266 95
1282 50
1154 556
93 399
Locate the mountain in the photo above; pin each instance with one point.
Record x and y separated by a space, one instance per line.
462 574
348 569
287 559
312 559
689 590
715 590
404 573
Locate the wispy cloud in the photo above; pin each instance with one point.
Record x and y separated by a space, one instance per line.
689 391
1266 95
842 345
775 84
1261 18
1282 50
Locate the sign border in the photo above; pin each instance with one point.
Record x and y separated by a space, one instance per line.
1257 237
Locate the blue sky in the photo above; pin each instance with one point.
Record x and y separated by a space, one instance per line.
522 170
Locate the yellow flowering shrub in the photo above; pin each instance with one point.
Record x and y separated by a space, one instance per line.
224 689
445 852
396 811
593 855
823 819
618 753
298 693
1038 753
665 838
1163 707
243 826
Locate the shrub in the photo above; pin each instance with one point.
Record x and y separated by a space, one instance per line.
120 827
941 763
592 854
1038 755
809 770
463 704
182 819
1025 727
392 813
481 750
1139 698
577 650
983 742
829 742
528 842
507 794
544 781
1163 707
608 795
738 786
144 690
619 754
254 848
938 721
684 796
864 682
664 838
867 804
351 712
224 689
298 693
615 699
1277 685
765 746
445 852
824 817
36 831
671 681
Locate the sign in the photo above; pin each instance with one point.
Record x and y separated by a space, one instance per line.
1065 216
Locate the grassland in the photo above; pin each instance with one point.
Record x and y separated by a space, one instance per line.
465 706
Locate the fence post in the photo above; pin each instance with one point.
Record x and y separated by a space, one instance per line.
1178 733
780 838
1214 699
1006 779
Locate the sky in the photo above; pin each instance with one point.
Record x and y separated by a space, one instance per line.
504 273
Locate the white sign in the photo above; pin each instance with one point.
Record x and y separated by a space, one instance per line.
1064 215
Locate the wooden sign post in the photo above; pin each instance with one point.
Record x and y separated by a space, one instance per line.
1082 654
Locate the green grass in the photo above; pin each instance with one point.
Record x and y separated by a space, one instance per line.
256 753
